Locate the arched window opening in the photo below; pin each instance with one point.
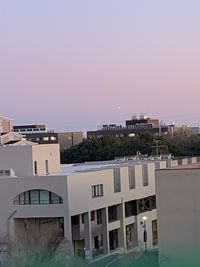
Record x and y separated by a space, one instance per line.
37 197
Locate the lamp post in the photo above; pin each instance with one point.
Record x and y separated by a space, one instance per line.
144 232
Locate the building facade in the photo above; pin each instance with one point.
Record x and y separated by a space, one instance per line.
133 127
38 133
116 196
97 208
5 125
26 129
178 211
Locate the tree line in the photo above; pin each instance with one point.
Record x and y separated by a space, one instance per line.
108 148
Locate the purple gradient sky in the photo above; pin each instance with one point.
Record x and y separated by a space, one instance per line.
72 64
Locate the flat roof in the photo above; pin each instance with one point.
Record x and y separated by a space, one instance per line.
187 166
182 167
29 126
68 169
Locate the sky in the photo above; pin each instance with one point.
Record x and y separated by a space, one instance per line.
77 64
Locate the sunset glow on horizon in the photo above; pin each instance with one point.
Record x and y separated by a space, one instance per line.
76 64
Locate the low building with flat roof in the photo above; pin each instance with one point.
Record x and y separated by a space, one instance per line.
133 127
97 208
38 133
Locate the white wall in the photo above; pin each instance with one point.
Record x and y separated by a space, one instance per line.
50 152
21 158
11 187
178 208
80 193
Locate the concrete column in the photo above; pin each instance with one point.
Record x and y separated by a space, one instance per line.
10 226
184 161
169 163
122 229
68 233
88 236
135 234
194 160
106 246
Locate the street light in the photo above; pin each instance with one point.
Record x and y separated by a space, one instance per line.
144 232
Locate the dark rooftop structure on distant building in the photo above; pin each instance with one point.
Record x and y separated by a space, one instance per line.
23 129
38 133
135 126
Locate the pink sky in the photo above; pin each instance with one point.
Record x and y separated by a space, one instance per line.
74 65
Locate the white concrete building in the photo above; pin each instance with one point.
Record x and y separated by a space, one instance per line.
5 125
178 208
98 208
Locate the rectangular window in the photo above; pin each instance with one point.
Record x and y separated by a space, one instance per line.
92 215
27 197
143 205
55 199
112 213
75 219
44 197
45 138
7 173
131 208
47 166
35 168
96 242
99 216
117 180
113 238
82 218
145 177
4 172
21 199
131 174
129 236
97 190
34 195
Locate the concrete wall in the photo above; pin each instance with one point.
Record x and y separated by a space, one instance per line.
11 187
178 209
5 125
10 137
82 182
69 139
50 152
21 159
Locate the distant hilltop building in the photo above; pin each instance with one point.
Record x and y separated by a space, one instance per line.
136 125
37 133
26 129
